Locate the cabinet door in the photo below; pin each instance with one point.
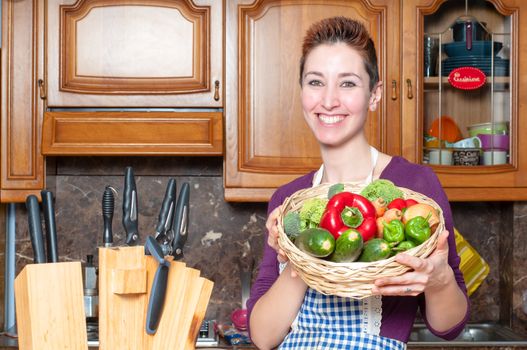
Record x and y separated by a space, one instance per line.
267 141
134 53
22 165
496 172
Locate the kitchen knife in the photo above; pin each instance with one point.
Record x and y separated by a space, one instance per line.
164 232
180 225
130 208
159 285
50 225
35 229
108 205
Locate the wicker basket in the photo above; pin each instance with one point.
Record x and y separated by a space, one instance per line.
355 279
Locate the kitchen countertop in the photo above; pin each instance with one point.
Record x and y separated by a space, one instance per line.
7 343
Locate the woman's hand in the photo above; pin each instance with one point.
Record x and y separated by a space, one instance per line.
430 274
272 239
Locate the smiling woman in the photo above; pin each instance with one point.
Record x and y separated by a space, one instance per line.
336 96
340 85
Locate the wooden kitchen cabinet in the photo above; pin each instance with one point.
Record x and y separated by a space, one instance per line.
134 53
267 140
134 77
107 77
500 97
21 162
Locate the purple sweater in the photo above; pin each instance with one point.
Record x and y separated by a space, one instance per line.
398 313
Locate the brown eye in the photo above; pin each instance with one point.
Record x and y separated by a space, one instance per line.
348 84
314 82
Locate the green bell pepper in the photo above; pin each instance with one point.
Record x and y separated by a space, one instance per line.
393 232
404 245
417 230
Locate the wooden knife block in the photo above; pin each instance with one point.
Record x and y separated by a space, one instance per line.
50 307
125 281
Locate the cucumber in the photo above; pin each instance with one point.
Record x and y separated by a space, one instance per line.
375 249
347 247
316 242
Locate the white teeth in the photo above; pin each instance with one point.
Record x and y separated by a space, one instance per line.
330 119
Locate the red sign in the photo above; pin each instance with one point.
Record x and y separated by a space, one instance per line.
467 78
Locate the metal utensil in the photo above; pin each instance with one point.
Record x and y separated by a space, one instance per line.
35 229
159 285
50 225
130 208
181 219
108 204
164 232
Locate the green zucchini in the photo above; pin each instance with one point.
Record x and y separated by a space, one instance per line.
316 242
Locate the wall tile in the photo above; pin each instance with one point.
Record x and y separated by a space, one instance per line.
223 235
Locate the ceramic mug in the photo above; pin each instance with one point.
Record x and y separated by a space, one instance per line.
440 156
467 157
495 157
471 142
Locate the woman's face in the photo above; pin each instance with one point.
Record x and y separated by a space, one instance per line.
335 93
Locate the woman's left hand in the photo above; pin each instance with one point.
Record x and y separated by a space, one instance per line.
429 274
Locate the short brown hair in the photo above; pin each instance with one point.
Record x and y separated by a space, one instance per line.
342 29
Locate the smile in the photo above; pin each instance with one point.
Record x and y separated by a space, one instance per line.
331 119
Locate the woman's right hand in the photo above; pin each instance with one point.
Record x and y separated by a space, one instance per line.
272 238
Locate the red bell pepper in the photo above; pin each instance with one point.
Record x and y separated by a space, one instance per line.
399 203
345 210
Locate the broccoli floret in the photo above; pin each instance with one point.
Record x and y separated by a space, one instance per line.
292 224
382 188
312 210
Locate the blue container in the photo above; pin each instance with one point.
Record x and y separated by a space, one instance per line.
479 48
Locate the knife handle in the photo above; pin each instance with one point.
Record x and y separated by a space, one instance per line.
166 214
51 228
181 218
159 285
130 207
157 299
35 229
108 205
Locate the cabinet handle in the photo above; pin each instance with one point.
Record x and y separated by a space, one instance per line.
216 90
394 90
42 89
409 85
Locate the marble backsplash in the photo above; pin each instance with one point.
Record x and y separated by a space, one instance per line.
224 236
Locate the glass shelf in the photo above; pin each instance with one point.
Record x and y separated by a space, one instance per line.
454 115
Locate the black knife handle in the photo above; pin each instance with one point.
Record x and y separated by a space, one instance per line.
153 248
35 229
51 227
181 218
157 299
159 285
108 205
166 214
130 207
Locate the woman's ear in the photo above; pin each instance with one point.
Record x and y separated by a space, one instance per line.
375 97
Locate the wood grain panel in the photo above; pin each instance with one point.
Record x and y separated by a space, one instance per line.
22 165
134 133
130 46
134 53
268 142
